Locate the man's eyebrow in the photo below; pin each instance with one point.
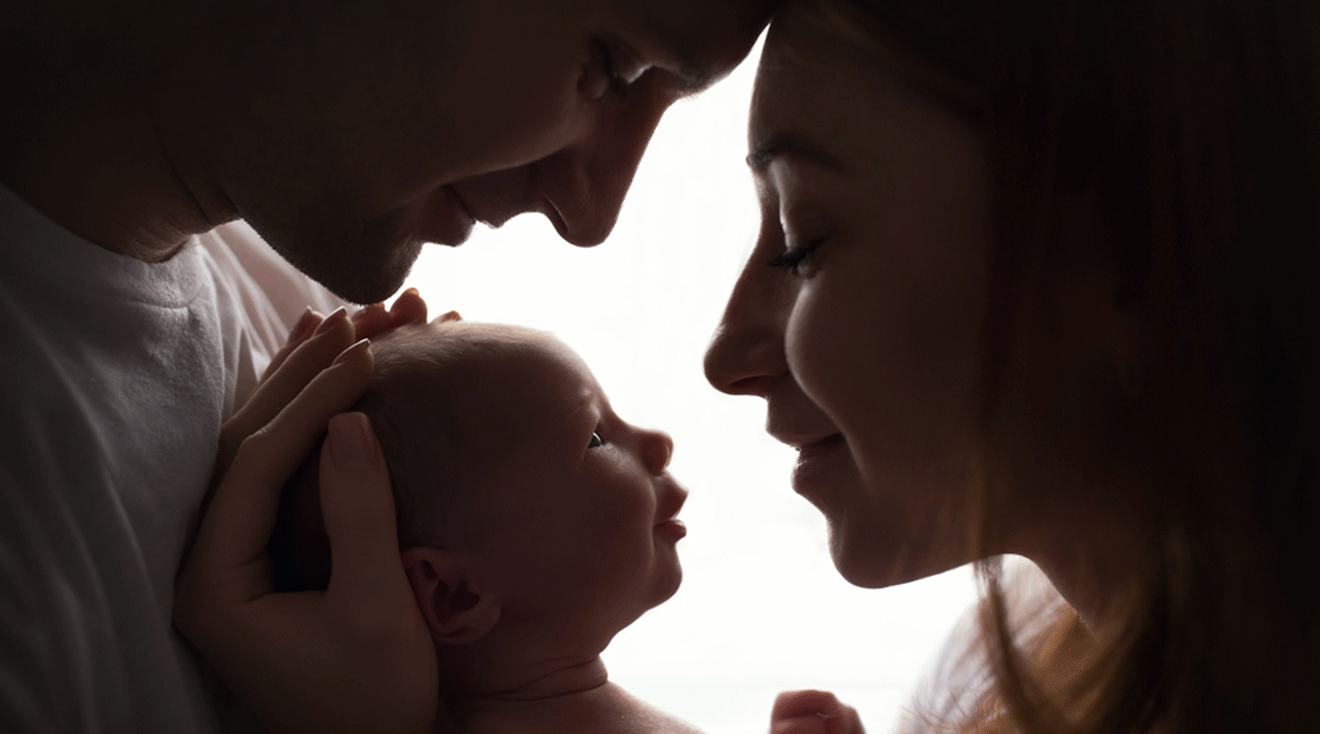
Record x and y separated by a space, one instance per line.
793 144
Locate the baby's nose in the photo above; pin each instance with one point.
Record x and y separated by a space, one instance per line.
657 449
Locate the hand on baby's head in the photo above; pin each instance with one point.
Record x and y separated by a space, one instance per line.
299 546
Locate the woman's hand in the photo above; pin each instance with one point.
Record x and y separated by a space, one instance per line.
282 382
813 712
357 657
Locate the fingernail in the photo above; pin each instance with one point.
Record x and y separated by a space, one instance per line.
451 316
303 328
411 292
337 316
353 443
361 345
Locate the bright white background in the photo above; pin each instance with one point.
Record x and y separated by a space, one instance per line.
761 608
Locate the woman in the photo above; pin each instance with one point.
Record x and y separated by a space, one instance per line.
1037 278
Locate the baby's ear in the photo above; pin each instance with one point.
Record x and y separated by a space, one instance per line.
456 610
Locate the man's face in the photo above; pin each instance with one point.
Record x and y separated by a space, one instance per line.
355 132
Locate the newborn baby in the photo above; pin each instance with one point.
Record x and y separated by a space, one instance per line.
534 524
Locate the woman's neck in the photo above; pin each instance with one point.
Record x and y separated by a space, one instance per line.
1093 569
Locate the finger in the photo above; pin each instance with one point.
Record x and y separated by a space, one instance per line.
796 703
449 316
238 525
809 724
358 508
847 721
374 320
331 337
301 331
408 308
370 320
802 706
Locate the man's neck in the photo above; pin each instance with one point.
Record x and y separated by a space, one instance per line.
84 145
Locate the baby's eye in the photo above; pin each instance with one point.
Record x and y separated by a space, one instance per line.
595 442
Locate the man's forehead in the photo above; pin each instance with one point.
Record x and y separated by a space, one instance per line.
699 41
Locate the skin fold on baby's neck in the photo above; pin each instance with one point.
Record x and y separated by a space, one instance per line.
577 698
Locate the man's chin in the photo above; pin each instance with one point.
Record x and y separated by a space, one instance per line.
374 282
357 272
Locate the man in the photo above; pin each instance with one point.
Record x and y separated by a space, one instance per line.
346 134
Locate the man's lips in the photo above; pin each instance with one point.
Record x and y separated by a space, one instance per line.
495 198
446 218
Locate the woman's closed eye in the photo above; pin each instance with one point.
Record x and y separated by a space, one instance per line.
796 259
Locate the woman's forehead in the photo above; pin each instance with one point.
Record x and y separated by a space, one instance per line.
803 57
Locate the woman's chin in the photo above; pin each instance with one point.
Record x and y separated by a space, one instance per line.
863 576
871 565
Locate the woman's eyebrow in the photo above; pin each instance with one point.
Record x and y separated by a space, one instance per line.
794 144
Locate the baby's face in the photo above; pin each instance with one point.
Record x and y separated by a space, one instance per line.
579 527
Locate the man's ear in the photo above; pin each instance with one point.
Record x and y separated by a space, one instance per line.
455 610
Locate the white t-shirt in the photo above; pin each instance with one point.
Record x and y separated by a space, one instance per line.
116 377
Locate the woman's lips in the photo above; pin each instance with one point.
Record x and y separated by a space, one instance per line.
813 460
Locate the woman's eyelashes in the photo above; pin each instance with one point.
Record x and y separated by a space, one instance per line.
595 442
797 259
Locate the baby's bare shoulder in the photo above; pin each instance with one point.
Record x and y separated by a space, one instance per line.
636 716
605 710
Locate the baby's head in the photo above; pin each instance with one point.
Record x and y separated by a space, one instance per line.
522 499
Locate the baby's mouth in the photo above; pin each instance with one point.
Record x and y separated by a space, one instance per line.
671 502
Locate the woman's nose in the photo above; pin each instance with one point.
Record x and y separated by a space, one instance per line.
746 355
657 450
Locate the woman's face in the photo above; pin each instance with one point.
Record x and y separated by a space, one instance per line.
864 336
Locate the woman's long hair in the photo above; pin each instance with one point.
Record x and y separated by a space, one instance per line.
1193 128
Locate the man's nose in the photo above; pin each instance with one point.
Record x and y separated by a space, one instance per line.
586 182
746 355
